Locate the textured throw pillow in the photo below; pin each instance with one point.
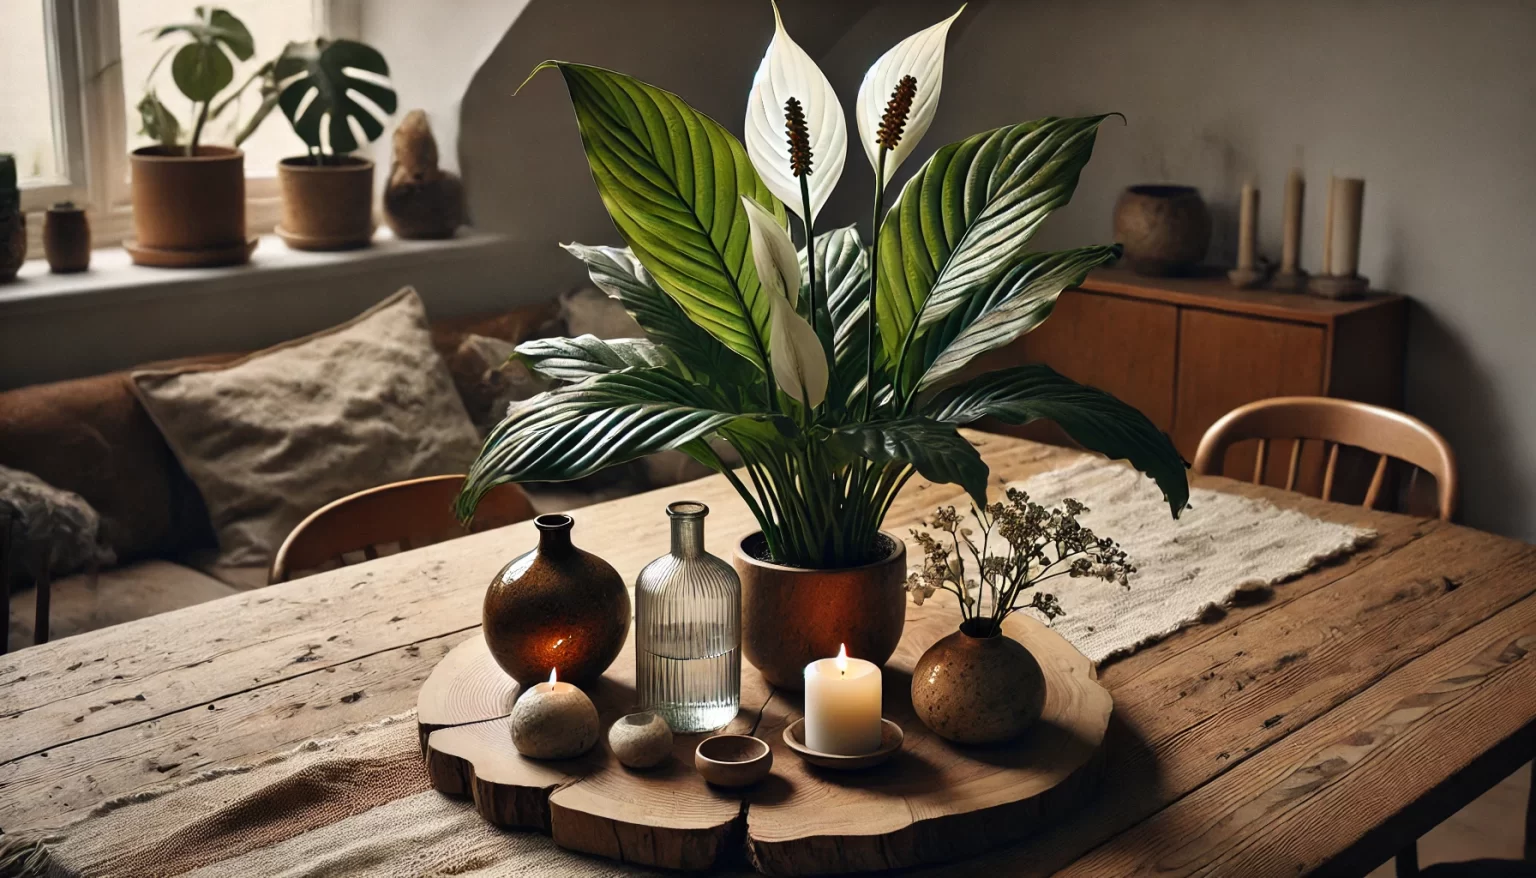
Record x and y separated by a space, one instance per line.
273 436
58 531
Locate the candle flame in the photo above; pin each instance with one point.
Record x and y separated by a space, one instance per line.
842 658
552 680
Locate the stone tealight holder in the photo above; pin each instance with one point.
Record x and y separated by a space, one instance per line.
733 760
891 739
554 721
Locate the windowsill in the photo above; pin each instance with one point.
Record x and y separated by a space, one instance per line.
113 276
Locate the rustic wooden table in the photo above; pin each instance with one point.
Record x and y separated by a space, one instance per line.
1317 729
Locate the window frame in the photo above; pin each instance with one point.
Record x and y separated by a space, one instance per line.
85 80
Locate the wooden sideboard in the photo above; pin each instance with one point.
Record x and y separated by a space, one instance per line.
1188 350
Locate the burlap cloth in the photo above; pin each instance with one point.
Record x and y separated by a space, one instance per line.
359 804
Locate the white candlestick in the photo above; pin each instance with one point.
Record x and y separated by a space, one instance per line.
1346 201
842 705
1247 227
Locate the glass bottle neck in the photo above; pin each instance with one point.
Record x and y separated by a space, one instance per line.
687 536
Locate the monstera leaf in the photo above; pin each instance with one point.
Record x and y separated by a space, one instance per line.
1094 418
318 84
672 179
962 222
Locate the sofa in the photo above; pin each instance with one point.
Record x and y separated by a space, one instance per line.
93 437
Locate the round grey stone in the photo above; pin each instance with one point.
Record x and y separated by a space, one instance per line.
640 740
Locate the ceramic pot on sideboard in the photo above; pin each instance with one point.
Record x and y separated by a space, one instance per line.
188 210
1165 228
791 616
978 686
326 206
556 607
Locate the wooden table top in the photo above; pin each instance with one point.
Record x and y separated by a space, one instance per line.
1318 728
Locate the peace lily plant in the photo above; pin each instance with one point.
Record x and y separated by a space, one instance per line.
837 371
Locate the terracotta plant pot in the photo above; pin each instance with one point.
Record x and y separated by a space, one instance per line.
556 607
978 686
188 210
791 616
1165 229
326 207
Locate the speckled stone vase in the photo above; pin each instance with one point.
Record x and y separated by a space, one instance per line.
978 686
556 607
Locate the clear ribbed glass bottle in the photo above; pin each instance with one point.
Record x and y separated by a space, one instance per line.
688 630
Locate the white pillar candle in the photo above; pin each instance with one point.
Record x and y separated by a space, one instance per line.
1346 200
842 705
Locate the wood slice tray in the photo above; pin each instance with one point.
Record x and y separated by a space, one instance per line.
932 802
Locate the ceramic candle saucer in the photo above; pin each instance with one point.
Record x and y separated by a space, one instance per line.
891 738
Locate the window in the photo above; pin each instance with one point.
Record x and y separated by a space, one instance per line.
72 73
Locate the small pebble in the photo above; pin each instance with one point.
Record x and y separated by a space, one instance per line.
640 740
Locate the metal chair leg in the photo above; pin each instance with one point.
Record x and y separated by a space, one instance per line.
43 585
1408 861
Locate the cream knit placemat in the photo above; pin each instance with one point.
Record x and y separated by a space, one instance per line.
1221 545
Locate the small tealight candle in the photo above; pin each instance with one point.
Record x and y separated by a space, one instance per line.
842 705
554 720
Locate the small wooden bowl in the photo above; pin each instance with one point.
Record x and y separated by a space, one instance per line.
891 738
733 760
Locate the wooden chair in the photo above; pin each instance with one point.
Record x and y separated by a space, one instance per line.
407 514
1390 435
1336 423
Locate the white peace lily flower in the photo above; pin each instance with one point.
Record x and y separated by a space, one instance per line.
920 56
788 72
773 253
799 363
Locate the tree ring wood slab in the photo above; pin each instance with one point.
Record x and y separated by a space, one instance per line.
933 802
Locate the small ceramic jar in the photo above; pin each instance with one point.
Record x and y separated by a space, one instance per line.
67 239
978 686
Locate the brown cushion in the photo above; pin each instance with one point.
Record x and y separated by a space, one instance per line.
274 436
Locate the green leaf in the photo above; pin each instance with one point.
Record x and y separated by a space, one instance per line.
617 272
842 270
156 120
232 32
1094 418
201 70
575 431
577 359
964 219
936 450
322 68
672 179
1020 301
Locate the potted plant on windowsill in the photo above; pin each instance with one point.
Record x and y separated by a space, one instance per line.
836 390
189 197
326 86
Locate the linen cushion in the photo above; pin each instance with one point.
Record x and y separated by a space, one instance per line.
275 435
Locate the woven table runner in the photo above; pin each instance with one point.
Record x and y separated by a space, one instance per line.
359 805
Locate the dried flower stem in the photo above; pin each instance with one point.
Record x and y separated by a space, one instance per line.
1042 545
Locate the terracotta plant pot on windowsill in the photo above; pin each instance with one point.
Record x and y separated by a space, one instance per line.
326 206
189 211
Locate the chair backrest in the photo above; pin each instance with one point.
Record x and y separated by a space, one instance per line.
403 515
1389 434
